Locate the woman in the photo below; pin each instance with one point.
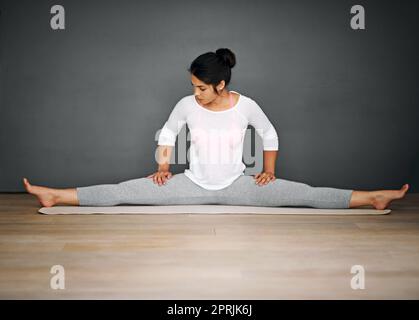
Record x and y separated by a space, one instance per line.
217 119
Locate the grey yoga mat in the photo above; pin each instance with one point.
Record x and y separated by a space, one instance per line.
206 209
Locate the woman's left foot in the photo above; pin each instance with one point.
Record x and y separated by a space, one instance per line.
382 198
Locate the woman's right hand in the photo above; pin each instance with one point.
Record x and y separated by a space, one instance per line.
160 177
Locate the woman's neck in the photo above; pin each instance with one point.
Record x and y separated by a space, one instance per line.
220 101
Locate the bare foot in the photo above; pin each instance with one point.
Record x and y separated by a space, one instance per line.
382 198
46 196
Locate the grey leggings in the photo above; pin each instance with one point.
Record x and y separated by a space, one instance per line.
179 189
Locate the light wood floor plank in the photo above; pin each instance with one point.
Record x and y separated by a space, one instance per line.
207 256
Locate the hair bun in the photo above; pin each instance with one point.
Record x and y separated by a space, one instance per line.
227 55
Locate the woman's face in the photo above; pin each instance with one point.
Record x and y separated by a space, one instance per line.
204 93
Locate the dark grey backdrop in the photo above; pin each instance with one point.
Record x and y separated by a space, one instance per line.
82 106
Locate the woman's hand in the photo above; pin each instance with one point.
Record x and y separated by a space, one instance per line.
264 178
160 177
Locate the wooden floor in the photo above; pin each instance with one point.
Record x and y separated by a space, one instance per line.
207 256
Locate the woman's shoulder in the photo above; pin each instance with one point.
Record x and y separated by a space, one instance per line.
184 103
243 98
247 103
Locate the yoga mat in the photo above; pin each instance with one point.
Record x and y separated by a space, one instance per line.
205 209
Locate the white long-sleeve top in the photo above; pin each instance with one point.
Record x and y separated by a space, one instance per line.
216 149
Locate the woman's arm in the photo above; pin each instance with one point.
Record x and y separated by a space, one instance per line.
166 142
269 160
259 120
264 128
268 174
164 154
168 134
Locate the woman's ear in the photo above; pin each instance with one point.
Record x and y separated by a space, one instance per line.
221 85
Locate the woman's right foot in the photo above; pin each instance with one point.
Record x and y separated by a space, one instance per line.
382 198
46 196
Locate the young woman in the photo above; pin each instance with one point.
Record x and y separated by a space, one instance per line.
217 119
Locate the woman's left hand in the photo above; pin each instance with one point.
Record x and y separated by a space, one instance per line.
264 178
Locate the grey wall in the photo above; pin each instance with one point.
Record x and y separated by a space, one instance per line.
82 106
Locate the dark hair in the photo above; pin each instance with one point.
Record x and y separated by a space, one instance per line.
213 67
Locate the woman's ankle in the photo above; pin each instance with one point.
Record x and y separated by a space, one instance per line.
362 198
66 197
